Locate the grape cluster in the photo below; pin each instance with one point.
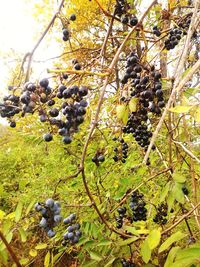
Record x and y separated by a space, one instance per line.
64 119
137 205
160 217
120 153
65 30
144 85
98 157
175 36
73 233
184 24
119 219
50 211
127 263
121 10
156 31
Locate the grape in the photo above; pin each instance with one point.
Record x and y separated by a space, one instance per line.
49 202
51 233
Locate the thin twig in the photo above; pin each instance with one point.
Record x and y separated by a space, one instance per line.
12 254
40 40
171 100
180 220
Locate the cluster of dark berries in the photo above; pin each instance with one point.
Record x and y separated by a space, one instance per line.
73 233
127 263
137 205
129 18
120 153
98 157
64 119
184 24
121 10
50 211
175 36
160 217
185 190
66 34
65 31
119 219
156 31
145 85
76 64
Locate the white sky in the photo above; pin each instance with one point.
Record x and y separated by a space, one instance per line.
18 31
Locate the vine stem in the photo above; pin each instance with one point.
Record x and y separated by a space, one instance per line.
175 90
179 82
181 219
95 121
30 55
12 254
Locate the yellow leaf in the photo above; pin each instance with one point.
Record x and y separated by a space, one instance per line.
33 253
133 104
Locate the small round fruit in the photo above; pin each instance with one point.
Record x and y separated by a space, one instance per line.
72 17
13 124
51 233
77 66
44 83
101 158
48 137
133 21
49 202
67 139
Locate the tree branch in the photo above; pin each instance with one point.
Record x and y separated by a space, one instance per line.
40 40
171 100
12 254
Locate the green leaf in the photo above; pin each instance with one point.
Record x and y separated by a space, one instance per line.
18 211
189 252
33 253
47 259
196 114
165 191
2 213
95 256
89 244
145 251
24 261
186 262
30 206
170 200
173 238
104 243
110 262
178 177
41 246
23 234
137 232
121 109
133 104
127 241
171 256
178 193
153 238
122 113
180 109
89 263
